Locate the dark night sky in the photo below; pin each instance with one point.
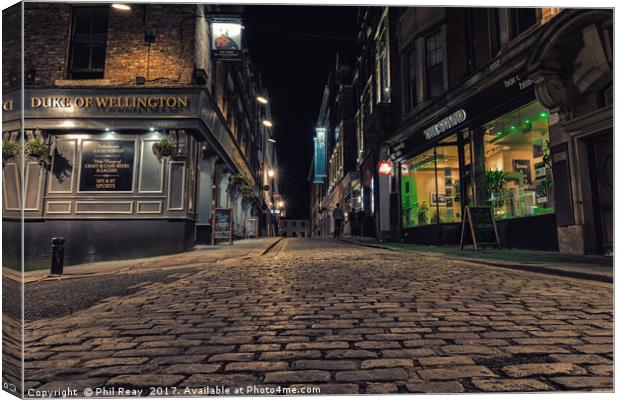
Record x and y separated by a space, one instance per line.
295 49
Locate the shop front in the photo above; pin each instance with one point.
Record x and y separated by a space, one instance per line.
482 153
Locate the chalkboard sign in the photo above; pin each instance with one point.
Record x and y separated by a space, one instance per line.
251 228
222 225
107 166
481 226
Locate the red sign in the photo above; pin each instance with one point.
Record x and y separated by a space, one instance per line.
385 168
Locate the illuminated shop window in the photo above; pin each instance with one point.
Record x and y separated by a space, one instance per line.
517 163
430 186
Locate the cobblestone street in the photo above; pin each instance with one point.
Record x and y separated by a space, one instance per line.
343 318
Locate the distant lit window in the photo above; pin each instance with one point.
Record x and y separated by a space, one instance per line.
88 42
434 65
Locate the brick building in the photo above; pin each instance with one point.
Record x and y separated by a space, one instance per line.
134 132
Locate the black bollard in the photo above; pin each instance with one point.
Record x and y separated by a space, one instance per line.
58 255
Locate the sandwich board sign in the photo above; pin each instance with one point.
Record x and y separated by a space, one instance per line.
251 228
222 225
482 228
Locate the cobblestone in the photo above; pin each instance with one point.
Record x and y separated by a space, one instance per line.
348 319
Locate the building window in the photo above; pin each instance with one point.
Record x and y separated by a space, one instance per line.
434 65
88 42
383 66
411 88
303 224
431 186
494 38
294 224
521 19
518 163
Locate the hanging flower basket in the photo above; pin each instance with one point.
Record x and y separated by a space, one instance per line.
10 150
163 149
35 148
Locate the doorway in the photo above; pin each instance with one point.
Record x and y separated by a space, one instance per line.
600 151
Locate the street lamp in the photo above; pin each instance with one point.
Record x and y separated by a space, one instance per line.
272 140
267 123
280 204
270 173
123 7
262 100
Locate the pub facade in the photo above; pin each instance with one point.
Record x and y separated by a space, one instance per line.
125 149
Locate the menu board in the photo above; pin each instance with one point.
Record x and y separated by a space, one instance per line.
481 226
222 224
251 227
107 166
523 166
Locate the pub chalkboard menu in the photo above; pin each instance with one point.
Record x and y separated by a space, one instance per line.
481 227
107 166
251 228
222 225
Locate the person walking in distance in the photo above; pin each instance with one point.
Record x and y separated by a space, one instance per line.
338 215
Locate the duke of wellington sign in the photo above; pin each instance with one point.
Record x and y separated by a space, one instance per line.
84 103
110 102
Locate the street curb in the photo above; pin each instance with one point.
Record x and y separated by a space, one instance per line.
521 267
271 246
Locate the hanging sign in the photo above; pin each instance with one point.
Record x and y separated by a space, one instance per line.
251 228
481 227
222 225
226 37
384 167
319 156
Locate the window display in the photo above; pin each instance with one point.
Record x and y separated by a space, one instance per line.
430 186
517 163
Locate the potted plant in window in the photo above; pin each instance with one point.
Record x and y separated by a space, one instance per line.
163 149
10 150
422 213
496 182
35 148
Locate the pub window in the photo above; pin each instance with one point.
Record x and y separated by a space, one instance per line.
411 89
434 65
88 42
521 19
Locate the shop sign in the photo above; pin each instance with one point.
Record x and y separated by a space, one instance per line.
444 124
107 166
226 37
482 228
251 228
519 81
319 156
384 167
222 224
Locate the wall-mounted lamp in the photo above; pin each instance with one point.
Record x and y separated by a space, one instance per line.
122 7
